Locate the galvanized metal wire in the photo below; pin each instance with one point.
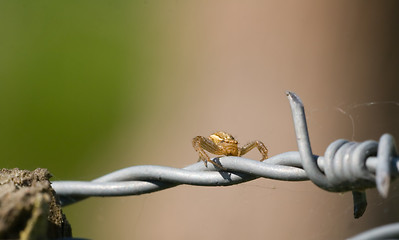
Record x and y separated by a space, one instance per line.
389 231
345 166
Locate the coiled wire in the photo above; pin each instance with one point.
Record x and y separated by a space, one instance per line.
346 166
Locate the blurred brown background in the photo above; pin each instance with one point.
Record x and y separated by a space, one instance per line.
88 88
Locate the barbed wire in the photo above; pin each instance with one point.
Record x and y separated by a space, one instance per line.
345 166
388 231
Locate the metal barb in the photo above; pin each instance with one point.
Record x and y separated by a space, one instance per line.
345 162
386 151
346 166
302 138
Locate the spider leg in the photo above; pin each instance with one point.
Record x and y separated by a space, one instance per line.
201 144
249 146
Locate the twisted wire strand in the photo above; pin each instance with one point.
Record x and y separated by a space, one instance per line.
138 180
389 231
146 179
346 166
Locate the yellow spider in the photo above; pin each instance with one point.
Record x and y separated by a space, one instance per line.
221 143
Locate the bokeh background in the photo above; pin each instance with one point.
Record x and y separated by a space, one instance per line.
91 87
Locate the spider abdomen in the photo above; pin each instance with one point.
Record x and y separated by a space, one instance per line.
229 149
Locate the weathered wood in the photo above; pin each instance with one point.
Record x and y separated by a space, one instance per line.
28 206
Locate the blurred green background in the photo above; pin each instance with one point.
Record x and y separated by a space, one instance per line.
67 70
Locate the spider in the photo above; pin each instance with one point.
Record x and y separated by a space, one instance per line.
221 143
